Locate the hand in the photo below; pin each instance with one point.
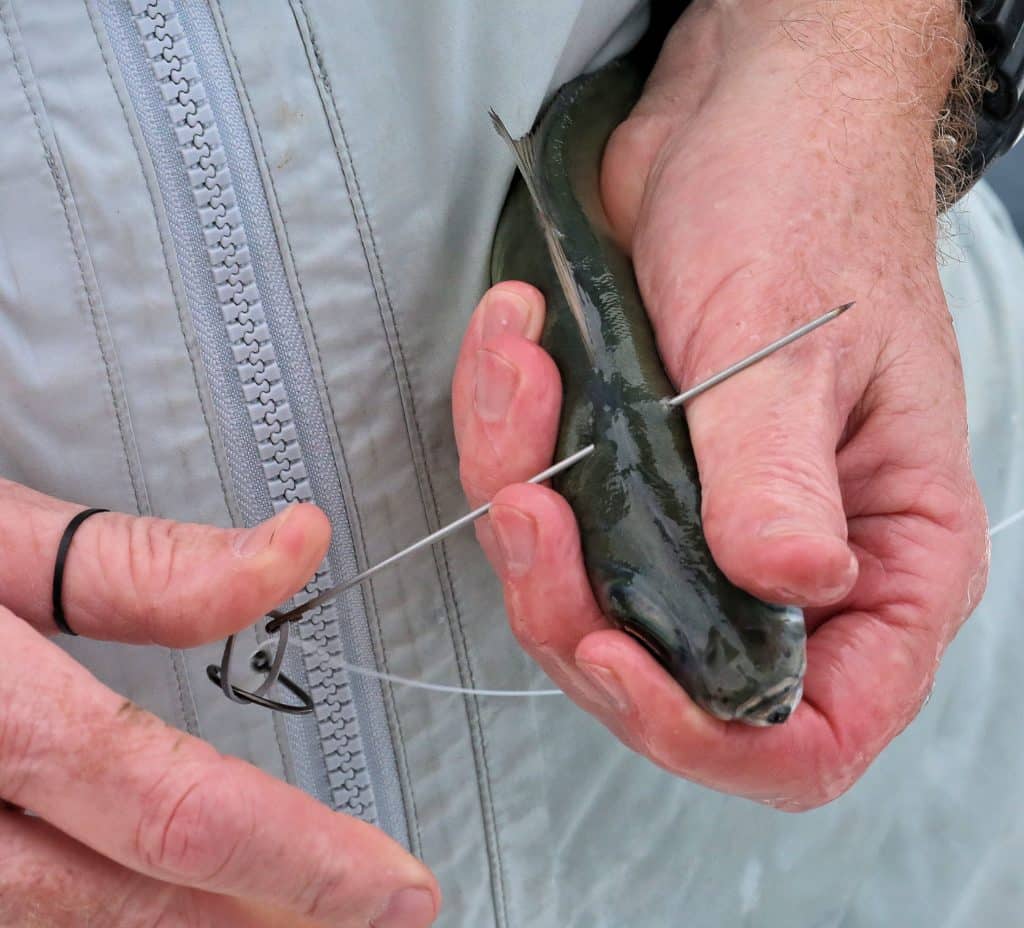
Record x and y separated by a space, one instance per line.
138 823
766 175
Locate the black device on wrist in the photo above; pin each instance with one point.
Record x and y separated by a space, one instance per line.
999 28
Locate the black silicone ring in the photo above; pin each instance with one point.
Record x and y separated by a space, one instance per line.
58 568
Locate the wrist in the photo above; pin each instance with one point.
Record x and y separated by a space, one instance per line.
898 56
891 56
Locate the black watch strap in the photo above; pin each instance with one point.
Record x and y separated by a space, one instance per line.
999 28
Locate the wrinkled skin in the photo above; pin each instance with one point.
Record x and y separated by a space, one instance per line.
137 823
768 172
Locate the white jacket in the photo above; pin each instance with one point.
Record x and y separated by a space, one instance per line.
207 325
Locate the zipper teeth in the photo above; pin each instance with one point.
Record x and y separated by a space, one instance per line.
263 388
210 178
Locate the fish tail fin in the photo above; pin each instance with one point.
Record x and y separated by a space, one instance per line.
524 150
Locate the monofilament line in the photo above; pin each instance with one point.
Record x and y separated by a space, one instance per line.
1004 524
469 691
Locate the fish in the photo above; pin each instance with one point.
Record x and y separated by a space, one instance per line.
637 497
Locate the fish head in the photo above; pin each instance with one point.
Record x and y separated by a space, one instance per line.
738 658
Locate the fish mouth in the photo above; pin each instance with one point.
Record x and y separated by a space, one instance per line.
773 707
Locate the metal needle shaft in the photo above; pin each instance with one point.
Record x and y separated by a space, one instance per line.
277 619
759 355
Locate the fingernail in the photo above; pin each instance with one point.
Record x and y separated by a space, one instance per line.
516 535
505 312
496 384
408 908
252 541
833 594
607 682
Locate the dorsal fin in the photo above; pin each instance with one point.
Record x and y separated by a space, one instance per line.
524 151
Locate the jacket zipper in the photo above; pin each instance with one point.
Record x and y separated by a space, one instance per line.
360 776
230 263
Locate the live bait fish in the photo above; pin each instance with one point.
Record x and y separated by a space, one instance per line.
637 497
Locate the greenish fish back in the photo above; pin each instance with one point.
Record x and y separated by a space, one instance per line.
637 497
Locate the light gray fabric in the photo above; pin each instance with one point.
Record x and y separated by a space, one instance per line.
383 180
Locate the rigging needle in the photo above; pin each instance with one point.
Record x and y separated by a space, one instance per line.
759 355
277 619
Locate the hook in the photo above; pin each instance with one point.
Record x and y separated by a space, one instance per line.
221 676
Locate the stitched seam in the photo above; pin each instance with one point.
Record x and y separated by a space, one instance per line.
193 121
401 371
163 243
342 465
188 704
478 732
64 195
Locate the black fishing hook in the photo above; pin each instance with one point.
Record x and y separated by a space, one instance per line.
262 663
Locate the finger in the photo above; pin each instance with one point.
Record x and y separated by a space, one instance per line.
48 879
152 580
506 398
506 393
765 442
918 533
169 806
771 506
548 597
509 433
867 676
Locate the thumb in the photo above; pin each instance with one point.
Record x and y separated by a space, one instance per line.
765 442
145 580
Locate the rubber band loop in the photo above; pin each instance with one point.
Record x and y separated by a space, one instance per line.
59 619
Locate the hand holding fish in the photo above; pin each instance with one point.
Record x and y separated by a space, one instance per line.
771 166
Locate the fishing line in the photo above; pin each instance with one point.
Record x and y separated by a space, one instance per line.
441 687
262 656
1006 523
362 671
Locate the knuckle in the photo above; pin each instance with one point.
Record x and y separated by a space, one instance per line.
142 902
154 549
478 483
790 491
192 826
976 561
977 582
824 784
18 736
317 897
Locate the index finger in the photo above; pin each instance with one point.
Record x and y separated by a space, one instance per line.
144 580
168 805
506 393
